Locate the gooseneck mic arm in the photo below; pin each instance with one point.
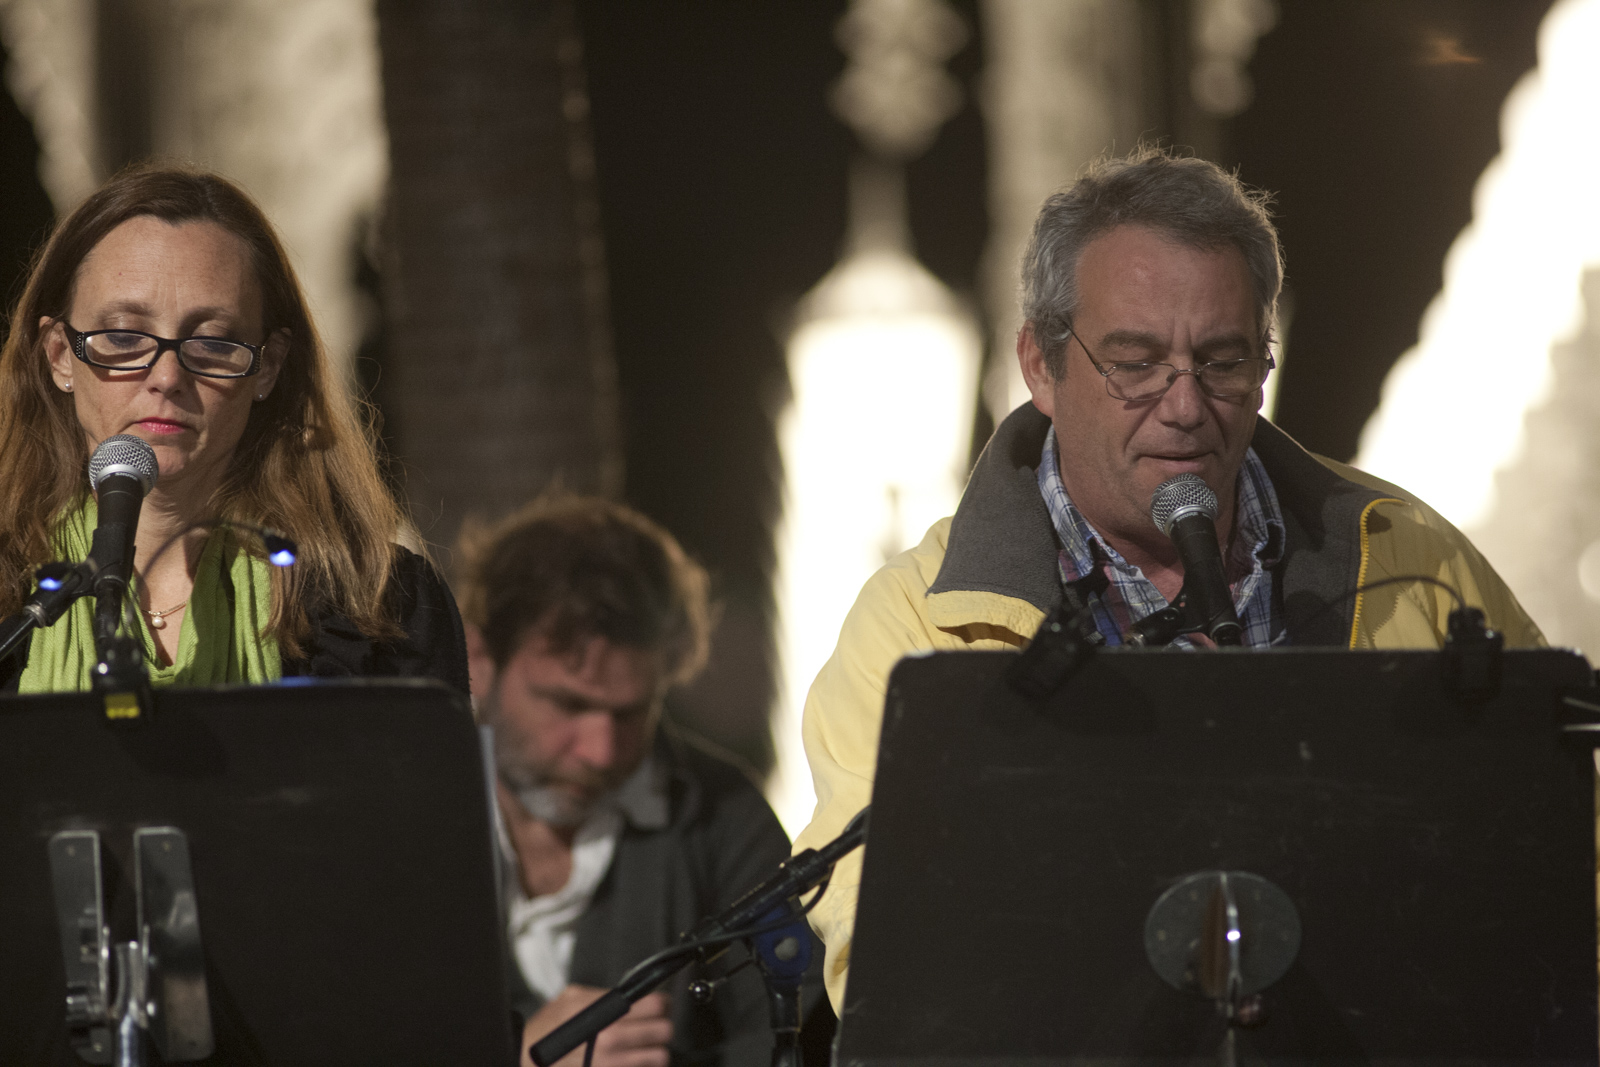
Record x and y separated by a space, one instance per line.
745 917
59 585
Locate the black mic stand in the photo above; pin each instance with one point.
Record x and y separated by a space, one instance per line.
784 954
59 584
121 673
121 677
751 916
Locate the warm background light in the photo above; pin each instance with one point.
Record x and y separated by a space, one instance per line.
1490 418
875 443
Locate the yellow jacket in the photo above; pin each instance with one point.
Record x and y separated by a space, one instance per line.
987 577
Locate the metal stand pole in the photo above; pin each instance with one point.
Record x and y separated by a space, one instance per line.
784 1001
127 1011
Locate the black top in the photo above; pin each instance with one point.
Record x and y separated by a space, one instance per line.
434 645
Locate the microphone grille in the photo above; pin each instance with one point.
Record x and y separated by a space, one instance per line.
124 454
1180 495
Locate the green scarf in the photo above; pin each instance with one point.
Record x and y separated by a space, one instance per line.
224 638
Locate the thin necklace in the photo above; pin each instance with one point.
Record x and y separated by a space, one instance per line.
158 619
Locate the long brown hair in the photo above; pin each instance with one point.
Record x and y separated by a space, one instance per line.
306 463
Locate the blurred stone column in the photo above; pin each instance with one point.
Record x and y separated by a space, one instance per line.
280 95
51 76
1066 81
879 324
499 371
1543 532
1061 85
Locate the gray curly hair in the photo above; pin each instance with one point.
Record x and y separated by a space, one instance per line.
1193 201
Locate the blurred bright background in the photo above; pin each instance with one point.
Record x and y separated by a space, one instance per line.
751 265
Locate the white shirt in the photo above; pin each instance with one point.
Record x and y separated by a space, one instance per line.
544 930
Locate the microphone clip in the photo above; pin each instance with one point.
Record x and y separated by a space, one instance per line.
123 680
1161 628
1472 657
1178 619
1063 642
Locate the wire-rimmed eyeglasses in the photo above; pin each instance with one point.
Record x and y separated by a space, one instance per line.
1221 379
208 357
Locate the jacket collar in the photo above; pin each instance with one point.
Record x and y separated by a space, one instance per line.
1002 541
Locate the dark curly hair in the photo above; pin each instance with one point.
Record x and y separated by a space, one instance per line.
569 567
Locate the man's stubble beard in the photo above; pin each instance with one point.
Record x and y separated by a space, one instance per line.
534 787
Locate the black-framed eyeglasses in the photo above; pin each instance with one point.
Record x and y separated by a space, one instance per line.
208 357
1221 379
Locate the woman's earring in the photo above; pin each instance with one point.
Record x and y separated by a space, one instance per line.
66 387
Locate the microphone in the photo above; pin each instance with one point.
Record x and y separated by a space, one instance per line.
1185 509
121 471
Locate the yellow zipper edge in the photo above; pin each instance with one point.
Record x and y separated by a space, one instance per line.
1361 573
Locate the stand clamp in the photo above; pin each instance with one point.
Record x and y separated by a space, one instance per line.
1064 641
784 955
160 980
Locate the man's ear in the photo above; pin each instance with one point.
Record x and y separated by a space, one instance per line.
480 663
1036 372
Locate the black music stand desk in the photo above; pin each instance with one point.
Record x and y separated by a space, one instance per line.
342 856
1439 858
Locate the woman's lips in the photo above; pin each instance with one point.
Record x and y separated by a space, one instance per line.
161 426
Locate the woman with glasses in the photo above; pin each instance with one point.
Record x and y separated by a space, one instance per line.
164 307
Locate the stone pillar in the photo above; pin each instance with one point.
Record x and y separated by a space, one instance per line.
1062 85
282 96
1543 532
499 373
1066 81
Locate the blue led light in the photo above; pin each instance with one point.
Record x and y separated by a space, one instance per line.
280 550
49 585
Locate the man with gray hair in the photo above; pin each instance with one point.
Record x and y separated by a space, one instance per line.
1150 291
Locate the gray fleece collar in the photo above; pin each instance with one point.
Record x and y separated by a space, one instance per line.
1002 540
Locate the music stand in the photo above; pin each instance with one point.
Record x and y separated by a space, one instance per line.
1439 857
342 856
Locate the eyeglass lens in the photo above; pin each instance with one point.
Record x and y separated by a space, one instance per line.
200 355
1226 378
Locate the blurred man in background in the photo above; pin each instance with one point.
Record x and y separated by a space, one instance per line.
620 834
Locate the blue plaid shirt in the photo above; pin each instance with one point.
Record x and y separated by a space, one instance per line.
1257 544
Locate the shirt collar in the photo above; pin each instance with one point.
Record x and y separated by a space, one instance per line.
1258 521
642 797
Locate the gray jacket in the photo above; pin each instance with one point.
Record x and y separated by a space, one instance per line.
721 840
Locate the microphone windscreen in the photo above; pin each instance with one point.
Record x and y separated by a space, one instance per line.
124 453
1180 495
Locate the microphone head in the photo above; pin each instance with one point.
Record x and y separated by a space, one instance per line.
1180 495
124 454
